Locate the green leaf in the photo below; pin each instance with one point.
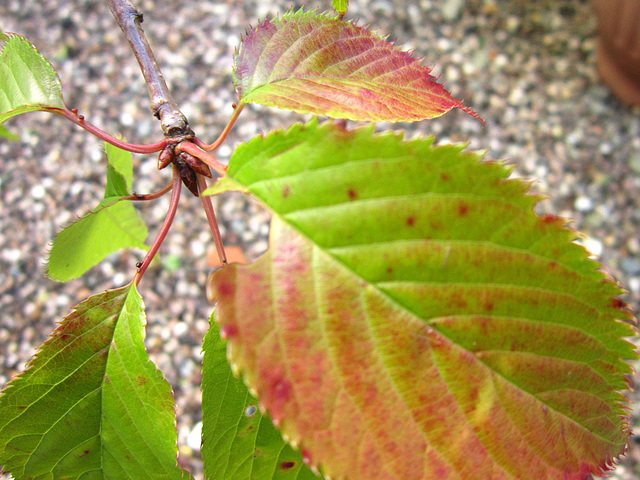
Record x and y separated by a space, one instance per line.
4 132
341 6
414 318
27 80
91 404
119 172
237 441
319 64
113 225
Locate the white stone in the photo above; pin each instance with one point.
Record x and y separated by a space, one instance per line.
195 437
583 204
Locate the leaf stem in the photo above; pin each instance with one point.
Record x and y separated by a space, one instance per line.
176 186
208 158
102 135
211 217
139 197
129 18
225 133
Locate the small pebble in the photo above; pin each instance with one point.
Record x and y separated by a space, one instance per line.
630 265
194 438
634 162
583 204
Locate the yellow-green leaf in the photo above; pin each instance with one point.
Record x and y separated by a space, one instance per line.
27 80
341 6
91 404
112 225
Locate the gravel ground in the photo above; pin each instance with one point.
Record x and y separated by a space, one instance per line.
528 67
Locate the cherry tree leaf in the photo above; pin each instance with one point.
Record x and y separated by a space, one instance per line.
319 64
5 133
238 442
341 6
414 318
113 225
91 404
27 80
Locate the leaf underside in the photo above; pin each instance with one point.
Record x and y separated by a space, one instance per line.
113 225
27 80
414 318
238 443
319 64
91 404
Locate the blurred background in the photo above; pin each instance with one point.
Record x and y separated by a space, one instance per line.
527 67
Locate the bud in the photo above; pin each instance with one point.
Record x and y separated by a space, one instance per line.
196 164
166 156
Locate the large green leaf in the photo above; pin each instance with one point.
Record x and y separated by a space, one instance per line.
113 225
27 80
238 443
414 318
319 64
91 404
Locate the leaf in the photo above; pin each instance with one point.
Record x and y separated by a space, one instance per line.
113 225
4 132
91 404
413 317
27 80
237 441
319 64
341 6
120 171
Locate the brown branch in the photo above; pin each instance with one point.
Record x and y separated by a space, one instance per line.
174 123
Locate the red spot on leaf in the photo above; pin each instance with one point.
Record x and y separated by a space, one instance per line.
617 303
282 389
550 218
226 289
286 191
411 221
445 177
86 452
488 307
287 465
141 380
228 331
463 209
352 194
278 392
306 456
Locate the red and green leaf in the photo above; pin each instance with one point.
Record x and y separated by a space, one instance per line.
91 404
414 318
238 442
320 64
